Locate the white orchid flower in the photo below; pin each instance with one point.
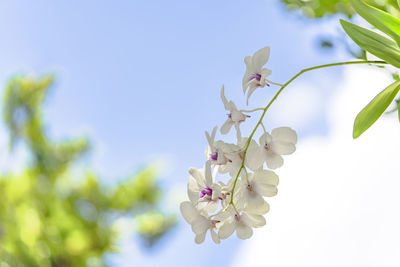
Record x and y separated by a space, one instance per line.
235 158
254 155
238 203
239 220
226 190
254 187
216 151
235 117
234 163
202 190
200 222
255 75
281 141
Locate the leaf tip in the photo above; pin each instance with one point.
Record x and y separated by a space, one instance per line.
355 135
356 130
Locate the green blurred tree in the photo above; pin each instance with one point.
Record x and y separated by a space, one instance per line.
323 8
316 9
50 218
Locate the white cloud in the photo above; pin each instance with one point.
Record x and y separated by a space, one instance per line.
338 198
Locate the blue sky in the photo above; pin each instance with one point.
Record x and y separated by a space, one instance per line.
141 79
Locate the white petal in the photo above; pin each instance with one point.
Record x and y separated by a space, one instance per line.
198 176
273 160
253 220
215 236
208 152
189 212
210 139
214 131
238 132
201 204
226 126
223 98
232 106
226 230
283 148
200 224
265 139
196 183
249 65
239 201
241 186
265 73
254 156
208 176
250 92
230 148
267 177
223 168
256 204
284 134
211 206
200 238
226 215
234 168
261 57
266 190
229 185
245 81
193 190
244 232
216 191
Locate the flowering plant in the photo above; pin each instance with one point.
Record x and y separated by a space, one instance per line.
239 204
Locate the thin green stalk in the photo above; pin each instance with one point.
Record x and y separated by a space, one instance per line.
276 96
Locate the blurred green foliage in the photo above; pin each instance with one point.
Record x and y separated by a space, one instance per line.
49 217
322 8
315 9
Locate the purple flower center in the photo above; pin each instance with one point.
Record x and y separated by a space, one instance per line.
214 156
230 117
256 76
205 192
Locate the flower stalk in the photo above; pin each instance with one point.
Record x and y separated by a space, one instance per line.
211 206
276 96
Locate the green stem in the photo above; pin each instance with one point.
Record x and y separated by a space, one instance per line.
276 96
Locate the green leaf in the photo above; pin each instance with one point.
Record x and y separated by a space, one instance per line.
398 110
374 109
381 20
374 43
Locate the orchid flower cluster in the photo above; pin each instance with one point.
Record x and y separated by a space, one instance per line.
239 204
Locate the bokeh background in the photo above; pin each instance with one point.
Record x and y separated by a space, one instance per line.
105 107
